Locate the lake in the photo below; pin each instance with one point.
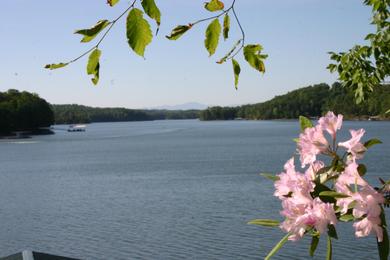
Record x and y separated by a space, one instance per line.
161 190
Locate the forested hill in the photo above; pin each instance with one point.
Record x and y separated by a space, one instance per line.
71 114
312 101
23 111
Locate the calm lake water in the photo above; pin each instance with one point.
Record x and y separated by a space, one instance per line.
160 190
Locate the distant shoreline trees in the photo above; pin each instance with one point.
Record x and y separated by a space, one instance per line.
23 111
312 101
73 114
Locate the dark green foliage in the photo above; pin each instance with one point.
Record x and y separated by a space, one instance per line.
312 101
23 111
364 67
219 113
71 114
341 100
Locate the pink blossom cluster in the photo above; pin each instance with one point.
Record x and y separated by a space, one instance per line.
365 200
304 211
301 210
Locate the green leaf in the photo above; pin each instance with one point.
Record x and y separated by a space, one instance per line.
93 65
214 5
264 222
296 140
224 58
362 169
383 247
320 188
313 245
236 70
91 33
270 176
112 2
54 66
277 247
332 67
372 142
305 122
332 231
346 218
139 34
178 31
333 194
329 249
212 36
252 54
352 204
226 26
152 10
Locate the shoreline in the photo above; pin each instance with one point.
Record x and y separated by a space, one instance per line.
26 134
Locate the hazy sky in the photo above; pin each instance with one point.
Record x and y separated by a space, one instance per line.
297 34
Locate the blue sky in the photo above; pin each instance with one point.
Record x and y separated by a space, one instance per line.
297 34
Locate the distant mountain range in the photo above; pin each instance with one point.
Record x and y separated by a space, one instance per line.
185 106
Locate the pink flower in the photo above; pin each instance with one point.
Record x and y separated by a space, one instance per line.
292 211
313 169
293 208
347 179
301 217
331 123
367 205
291 181
311 142
297 230
286 181
344 203
351 176
369 225
323 214
353 145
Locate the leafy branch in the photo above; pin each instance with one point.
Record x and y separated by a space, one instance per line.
363 68
252 52
139 35
135 23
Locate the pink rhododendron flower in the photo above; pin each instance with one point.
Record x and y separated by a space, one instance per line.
323 214
351 176
286 181
367 203
311 142
368 225
303 209
343 203
313 169
348 178
291 181
353 145
301 217
294 223
331 123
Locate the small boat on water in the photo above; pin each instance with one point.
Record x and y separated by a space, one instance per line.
76 128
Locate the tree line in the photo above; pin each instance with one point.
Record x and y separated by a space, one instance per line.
312 101
72 114
23 111
27 111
